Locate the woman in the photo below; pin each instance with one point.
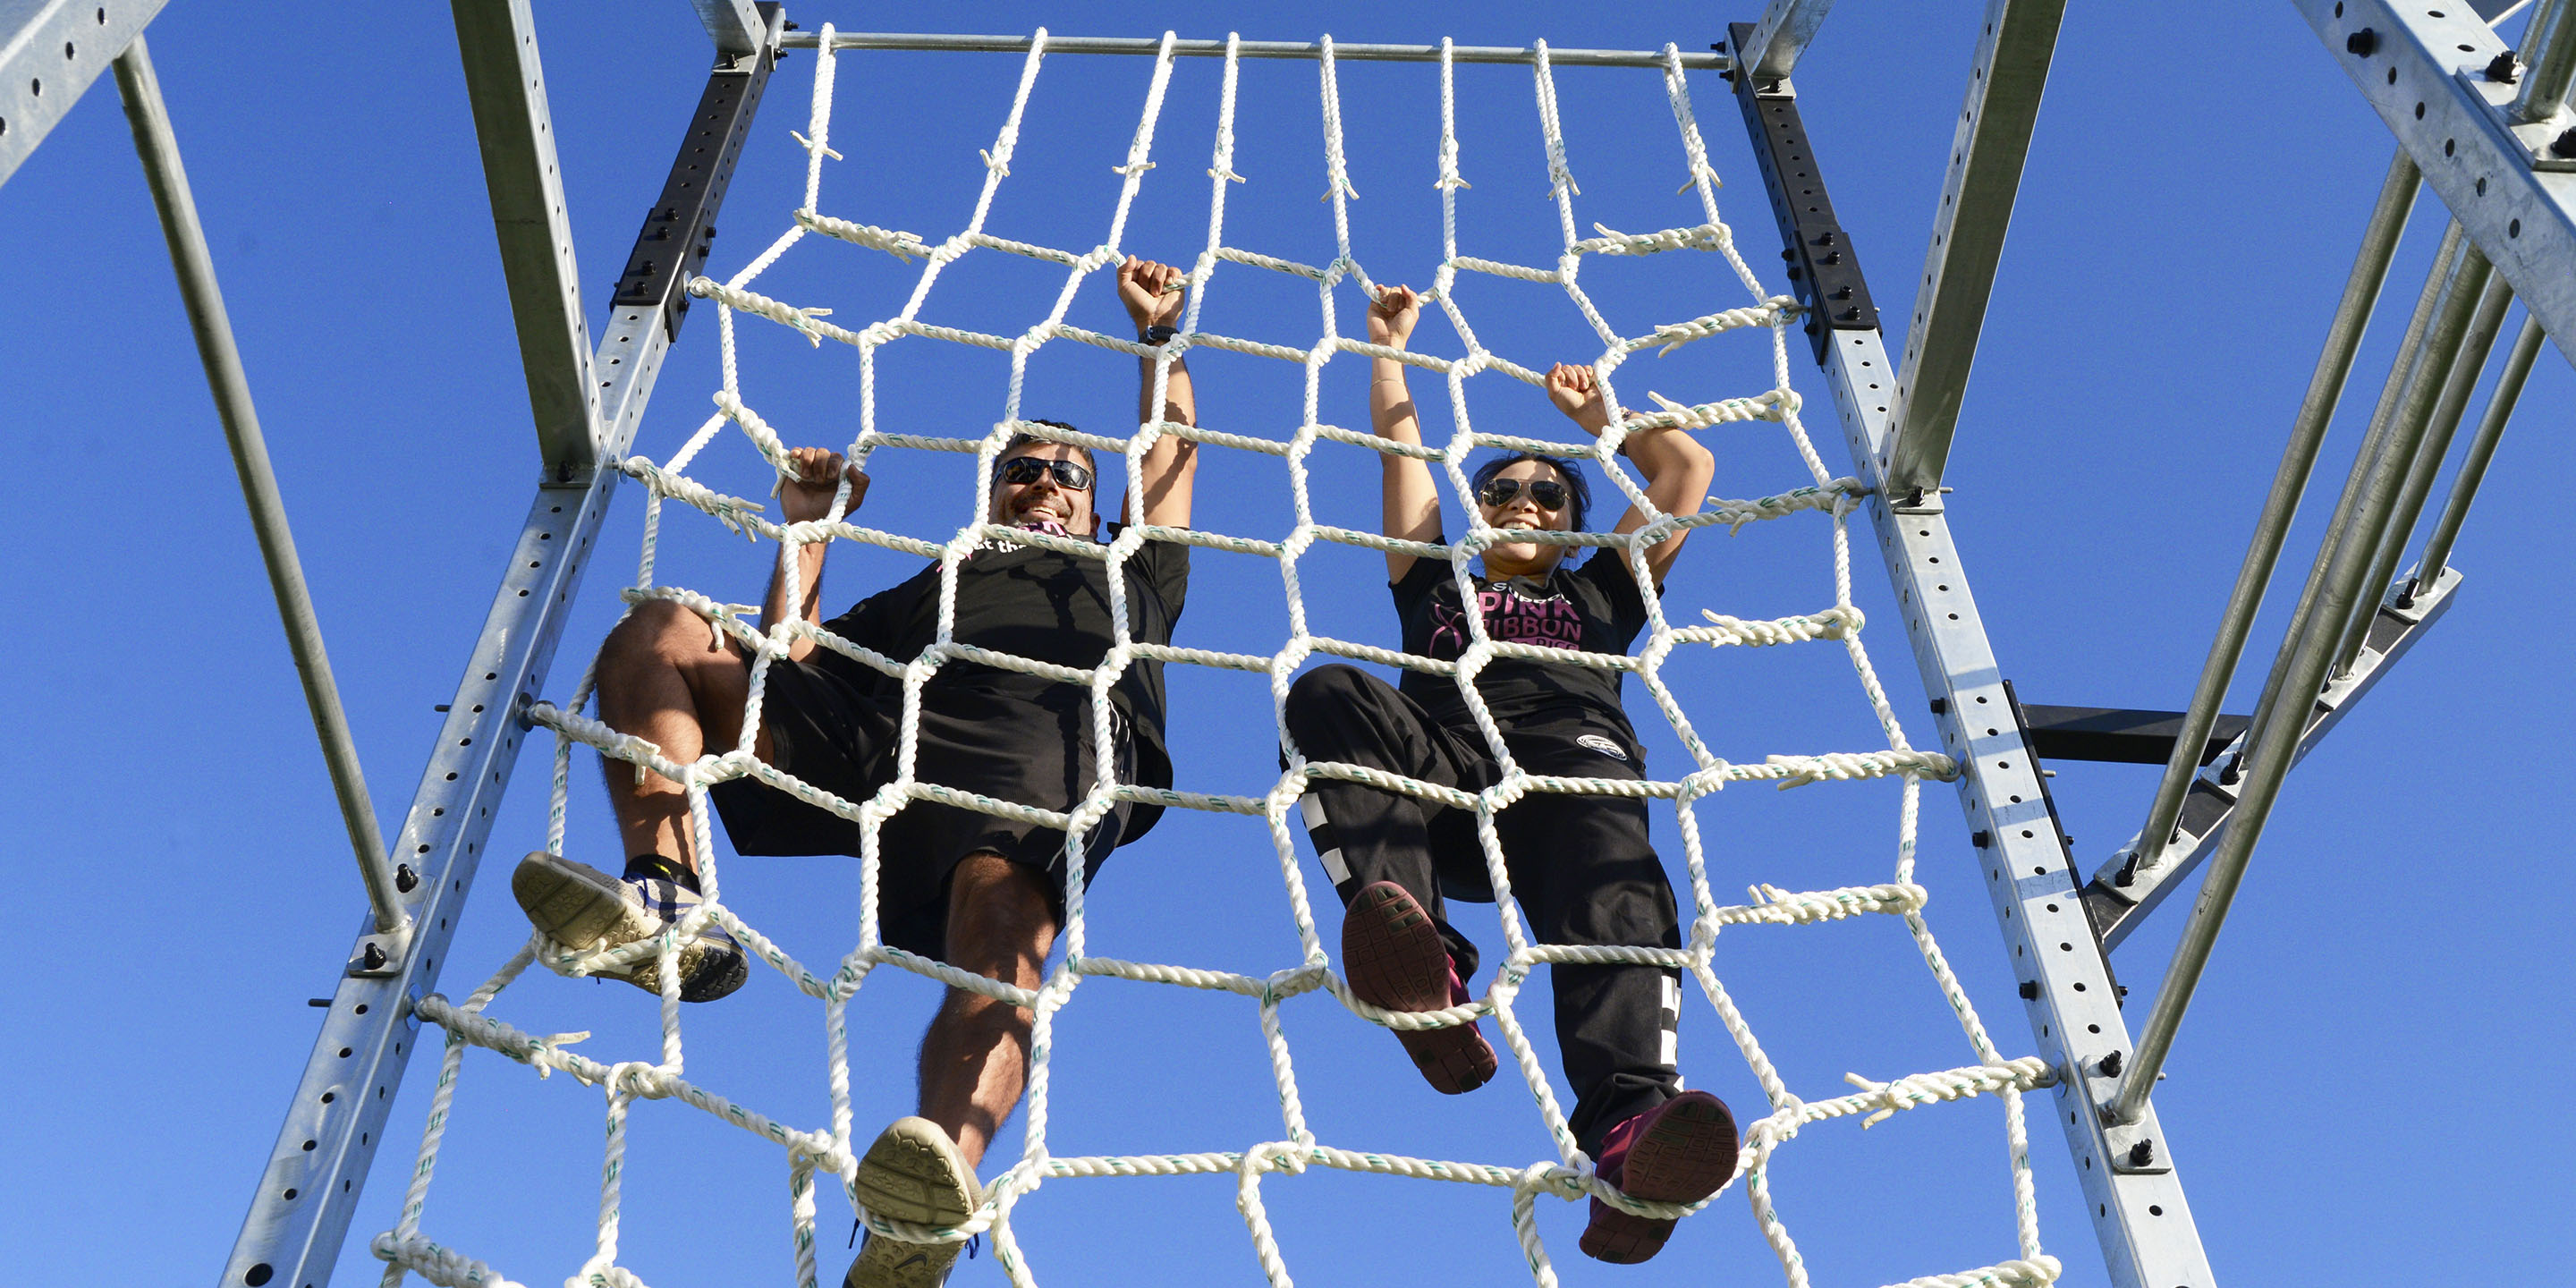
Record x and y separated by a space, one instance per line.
1580 865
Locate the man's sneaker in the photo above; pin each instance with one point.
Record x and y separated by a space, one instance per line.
912 1173
584 908
1678 1152
1395 959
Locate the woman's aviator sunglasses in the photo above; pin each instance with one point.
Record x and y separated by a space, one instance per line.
1068 475
1548 493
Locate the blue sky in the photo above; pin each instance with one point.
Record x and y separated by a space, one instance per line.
2339 1099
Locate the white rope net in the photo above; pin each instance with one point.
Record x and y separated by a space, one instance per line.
828 1148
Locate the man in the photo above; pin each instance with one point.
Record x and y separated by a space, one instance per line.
980 892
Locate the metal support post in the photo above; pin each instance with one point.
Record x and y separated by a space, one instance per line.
50 53
2424 69
735 25
507 87
2138 1209
1786 29
1986 155
2465 365
2482 445
2549 59
204 298
300 1214
2307 651
2379 240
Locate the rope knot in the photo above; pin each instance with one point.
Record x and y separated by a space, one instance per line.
811 147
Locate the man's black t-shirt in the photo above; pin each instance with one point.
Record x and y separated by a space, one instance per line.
1039 604
1594 608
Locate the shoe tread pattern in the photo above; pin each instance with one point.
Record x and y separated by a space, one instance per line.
912 1173
1395 959
1682 1156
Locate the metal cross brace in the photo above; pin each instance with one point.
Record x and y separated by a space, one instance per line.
2120 894
309 1189
2139 1213
51 51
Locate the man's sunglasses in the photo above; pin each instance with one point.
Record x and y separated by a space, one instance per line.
1548 493
1068 475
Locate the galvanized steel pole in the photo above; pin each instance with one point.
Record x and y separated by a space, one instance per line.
2379 240
2305 654
2383 418
205 302
1292 49
2482 445
2463 377
2549 61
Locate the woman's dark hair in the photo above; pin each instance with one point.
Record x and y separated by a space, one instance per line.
1578 493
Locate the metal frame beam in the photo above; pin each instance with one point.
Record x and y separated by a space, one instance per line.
1986 155
735 25
2426 77
2128 1179
1786 29
300 1215
2122 891
506 86
1558 58
51 51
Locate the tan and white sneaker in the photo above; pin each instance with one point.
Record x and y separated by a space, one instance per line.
581 907
913 1173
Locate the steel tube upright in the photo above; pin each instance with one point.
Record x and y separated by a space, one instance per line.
2549 57
2383 419
204 297
2463 378
2482 445
2307 650
2379 240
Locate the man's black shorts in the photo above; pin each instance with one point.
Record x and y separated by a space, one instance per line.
1008 739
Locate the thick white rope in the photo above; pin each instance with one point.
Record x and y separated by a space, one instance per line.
1567 1177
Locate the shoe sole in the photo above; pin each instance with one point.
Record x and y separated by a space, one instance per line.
892 1263
581 907
1682 1157
915 1173
1395 959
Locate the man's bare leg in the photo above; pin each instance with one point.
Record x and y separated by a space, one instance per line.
664 676
974 1059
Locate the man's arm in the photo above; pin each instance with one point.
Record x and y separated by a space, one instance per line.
1676 467
1411 499
1153 295
806 497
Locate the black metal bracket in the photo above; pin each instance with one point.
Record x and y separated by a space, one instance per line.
2120 735
681 231
1824 273
2065 843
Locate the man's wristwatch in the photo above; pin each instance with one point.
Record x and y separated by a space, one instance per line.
1157 335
